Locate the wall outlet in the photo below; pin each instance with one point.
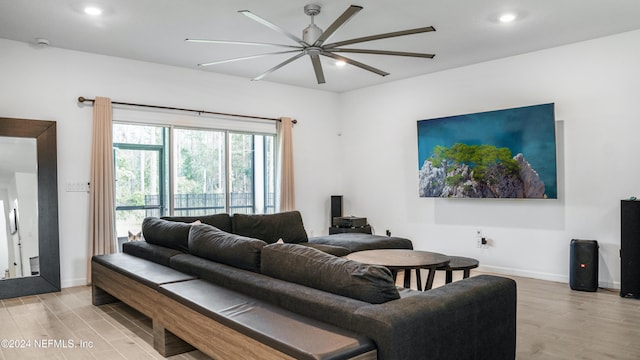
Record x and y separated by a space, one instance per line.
484 243
479 238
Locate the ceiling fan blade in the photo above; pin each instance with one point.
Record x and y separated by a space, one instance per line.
293 58
356 63
247 57
273 26
381 36
346 16
382 52
317 67
239 43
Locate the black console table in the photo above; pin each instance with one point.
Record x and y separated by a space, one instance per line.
340 230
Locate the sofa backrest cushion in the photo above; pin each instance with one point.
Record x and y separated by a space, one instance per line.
211 243
174 235
313 268
144 250
221 221
271 227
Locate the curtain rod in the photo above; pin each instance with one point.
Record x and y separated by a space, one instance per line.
83 99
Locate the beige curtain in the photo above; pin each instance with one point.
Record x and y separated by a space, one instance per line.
102 234
287 198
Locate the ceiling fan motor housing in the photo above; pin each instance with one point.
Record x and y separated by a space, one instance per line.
311 33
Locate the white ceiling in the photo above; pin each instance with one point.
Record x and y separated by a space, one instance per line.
467 32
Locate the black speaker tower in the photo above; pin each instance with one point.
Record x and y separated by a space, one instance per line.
336 206
630 249
583 271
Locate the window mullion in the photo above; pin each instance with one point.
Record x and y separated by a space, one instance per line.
265 190
172 173
227 171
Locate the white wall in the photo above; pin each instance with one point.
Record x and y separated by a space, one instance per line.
45 84
594 86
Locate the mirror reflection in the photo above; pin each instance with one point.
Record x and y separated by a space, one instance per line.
18 208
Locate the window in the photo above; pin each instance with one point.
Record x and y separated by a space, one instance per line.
212 171
241 173
140 159
265 186
200 179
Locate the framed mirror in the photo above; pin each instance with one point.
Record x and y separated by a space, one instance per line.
43 274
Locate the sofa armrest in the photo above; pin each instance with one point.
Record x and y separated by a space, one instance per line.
144 250
474 318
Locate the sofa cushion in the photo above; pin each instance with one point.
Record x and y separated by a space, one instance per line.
271 227
221 221
211 243
281 329
174 235
314 268
147 272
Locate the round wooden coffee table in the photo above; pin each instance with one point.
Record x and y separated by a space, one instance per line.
459 263
403 259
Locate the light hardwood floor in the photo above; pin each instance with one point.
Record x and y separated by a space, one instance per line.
554 322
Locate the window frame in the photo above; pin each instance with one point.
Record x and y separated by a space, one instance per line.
171 122
161 173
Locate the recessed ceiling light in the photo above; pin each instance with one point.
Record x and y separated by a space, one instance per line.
507 17
92 10
340 63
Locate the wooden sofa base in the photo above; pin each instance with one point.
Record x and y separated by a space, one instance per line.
176 326
109 286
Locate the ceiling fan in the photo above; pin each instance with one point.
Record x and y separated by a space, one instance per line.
313 44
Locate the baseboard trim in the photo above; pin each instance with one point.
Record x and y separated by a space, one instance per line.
539 275
524 273
73 283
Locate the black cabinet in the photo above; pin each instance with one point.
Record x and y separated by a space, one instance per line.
339 230
630 249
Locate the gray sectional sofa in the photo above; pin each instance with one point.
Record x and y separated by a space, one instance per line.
299 299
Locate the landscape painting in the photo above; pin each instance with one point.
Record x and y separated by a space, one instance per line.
496 154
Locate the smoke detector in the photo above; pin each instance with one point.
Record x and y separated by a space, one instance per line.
42 42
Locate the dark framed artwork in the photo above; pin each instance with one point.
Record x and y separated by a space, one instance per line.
507 153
